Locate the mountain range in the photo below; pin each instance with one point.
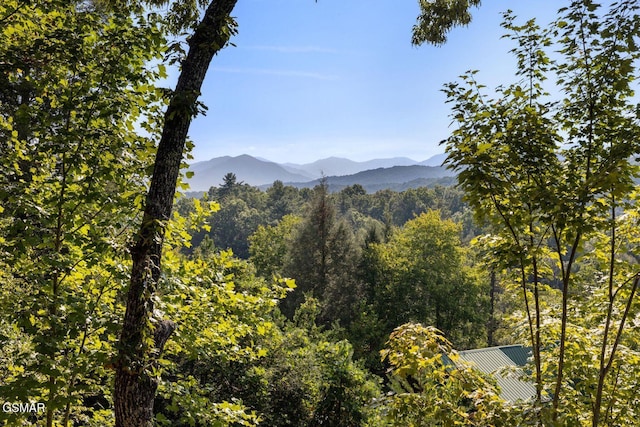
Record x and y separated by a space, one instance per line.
394 173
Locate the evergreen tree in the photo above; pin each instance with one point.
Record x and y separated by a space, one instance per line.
229 185
322 259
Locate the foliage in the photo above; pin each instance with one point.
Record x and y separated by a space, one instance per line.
232 226
233 347
282 200
423 277
243 210
432 386
221 311
396 208
268 246
75 83
76 93
143 335
438 17
511 151
322 259
313 380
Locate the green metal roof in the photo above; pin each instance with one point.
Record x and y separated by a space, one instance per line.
517 353
491 360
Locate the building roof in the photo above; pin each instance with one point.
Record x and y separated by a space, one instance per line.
492 360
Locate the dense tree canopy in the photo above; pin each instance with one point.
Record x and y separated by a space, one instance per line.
511 151
301 307
75 82
424 277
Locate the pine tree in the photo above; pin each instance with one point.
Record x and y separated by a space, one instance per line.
322 259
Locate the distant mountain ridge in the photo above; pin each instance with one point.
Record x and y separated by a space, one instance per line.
337 166
340 172
397 178
246 168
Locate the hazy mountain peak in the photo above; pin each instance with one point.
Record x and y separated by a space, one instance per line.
254 171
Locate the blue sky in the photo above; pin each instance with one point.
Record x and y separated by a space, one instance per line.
340 78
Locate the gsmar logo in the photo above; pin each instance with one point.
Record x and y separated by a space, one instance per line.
23 407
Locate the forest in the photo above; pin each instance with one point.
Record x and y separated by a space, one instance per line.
128 301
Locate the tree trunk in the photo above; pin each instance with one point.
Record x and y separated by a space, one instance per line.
143 337
492 324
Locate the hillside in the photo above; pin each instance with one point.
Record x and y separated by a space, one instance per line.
246 168
394 178
377 173
337 166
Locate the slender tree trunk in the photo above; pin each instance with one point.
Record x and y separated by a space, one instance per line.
607 367
143 337
491 326
564 320
607 325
